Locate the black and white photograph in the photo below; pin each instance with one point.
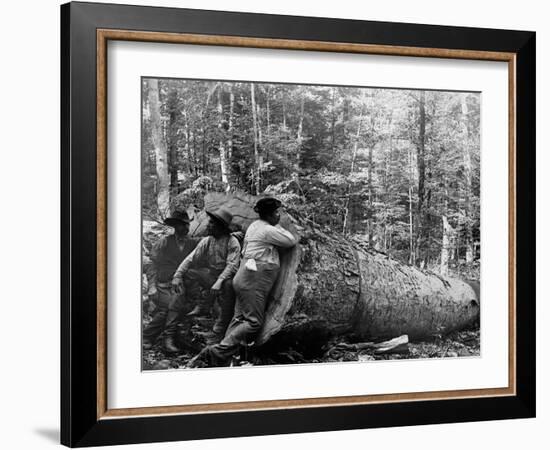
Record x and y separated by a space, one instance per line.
293 223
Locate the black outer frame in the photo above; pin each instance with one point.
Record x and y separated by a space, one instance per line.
79 423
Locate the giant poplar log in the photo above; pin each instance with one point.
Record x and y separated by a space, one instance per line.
330 285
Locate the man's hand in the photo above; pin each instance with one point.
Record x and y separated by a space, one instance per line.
216 287
239 235
177 285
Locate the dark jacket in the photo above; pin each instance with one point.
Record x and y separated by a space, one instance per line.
166 255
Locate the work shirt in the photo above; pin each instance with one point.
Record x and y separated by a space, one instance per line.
221 255
166 255
262 239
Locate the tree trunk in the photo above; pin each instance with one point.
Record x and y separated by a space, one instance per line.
187 147
268 125
331 284
387 195
221 145
469 244
352 168
230 131
256 174
370 208
172 137
161 150
333 120
445 246
284 109
421 165
411 235
299 137
370 193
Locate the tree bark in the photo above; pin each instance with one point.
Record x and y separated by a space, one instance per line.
172 137
230 130
370 193
221 144
333 120
331 284
268 124
467 180
299 137
421 166
161 150
445 246
257 181
352 168
411 235
188 149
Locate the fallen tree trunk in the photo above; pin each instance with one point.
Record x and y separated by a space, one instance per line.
331 285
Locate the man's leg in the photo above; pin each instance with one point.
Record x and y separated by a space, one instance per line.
154 328
175 306
226 302
194 280
252 290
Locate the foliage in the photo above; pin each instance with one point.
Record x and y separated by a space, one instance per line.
384 164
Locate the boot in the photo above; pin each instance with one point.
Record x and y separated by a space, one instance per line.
170 331
198 311
170 345
147 344
200 360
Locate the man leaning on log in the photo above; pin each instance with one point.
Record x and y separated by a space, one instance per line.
257 273
211 266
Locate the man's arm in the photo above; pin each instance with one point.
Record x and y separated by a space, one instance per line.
155 255
192 258
232 260
278 236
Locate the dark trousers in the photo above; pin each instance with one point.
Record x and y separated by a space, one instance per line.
154 328
193 281
252 290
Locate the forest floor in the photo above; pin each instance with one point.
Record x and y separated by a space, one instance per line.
193 335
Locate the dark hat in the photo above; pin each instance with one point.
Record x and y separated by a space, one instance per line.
176 217
267 205
221 215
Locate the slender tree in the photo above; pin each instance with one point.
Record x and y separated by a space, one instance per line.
161 150
421 167
221 144
256 171
469 242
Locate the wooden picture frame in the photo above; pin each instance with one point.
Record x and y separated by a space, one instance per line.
85 416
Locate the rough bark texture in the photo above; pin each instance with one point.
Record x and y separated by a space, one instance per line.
256 173
161 150
421 166
467 180
445 246
332 285
221 145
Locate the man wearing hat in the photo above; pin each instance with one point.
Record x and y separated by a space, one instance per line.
212 266
166 256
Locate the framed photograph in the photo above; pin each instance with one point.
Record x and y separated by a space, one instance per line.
277 224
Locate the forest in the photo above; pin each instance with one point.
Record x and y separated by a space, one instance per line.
398 169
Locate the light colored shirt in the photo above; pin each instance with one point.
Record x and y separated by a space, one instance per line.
262 239
220 254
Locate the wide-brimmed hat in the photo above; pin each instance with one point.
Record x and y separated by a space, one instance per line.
267 205
176 217
221 215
